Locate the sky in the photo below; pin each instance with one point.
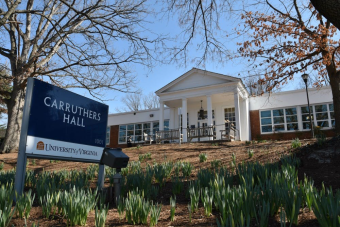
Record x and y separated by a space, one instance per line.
150 80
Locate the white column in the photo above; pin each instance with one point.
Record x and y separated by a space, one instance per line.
209 111
172 118
184 120
237 114
161 115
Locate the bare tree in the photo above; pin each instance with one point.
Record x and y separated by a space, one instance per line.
137 101
132 102
256 86
72 44
200 23
150 101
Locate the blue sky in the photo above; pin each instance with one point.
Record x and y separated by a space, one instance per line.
150 80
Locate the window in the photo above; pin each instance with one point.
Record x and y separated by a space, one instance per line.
156 127
136 131
305 116
122 134
291 119
266 121
107 135
166 125
279 120
205 115
321 115
146 129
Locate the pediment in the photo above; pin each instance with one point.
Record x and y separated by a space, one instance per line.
196 78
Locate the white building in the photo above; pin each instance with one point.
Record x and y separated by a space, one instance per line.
228 110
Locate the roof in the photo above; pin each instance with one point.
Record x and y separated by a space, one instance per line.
188 73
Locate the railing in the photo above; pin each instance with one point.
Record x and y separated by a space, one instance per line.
172 134
200 132
230 133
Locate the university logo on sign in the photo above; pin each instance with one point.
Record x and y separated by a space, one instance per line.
40 146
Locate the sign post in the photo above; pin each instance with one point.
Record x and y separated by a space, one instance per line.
61 125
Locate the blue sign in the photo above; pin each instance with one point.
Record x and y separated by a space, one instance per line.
60 115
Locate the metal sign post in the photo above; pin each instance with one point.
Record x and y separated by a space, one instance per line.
22 158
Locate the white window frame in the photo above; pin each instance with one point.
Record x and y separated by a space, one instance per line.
299 117
314 115
134 130
284 120
108 132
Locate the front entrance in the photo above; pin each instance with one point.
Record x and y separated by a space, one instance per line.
229 118
229 131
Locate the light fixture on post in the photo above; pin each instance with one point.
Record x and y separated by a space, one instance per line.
201 112
305 79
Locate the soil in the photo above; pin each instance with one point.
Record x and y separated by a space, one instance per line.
317 162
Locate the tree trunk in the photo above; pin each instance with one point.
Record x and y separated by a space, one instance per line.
15 110
330 9
335 86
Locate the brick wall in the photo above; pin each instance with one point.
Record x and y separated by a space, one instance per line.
256 131
114 132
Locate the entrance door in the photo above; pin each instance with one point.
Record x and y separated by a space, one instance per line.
229 118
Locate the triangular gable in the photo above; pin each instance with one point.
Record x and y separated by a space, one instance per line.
196 78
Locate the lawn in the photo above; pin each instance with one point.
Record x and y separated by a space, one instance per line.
262 177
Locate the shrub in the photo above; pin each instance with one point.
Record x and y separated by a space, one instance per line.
215 164
49 201
76 204
100 216
194 193
1 166
141 157
137 208
187 168
248 142
6 215
296 143
6 196
160 174
233 161
326 207
250 153
177 168
321 139
155 211
24 204
207 196
203 157
120 208
177 185
148 155
154 190
172 208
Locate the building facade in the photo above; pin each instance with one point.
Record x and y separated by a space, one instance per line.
226 104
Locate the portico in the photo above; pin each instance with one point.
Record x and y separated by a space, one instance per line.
223 98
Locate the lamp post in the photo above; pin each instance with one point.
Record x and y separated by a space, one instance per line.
305 79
